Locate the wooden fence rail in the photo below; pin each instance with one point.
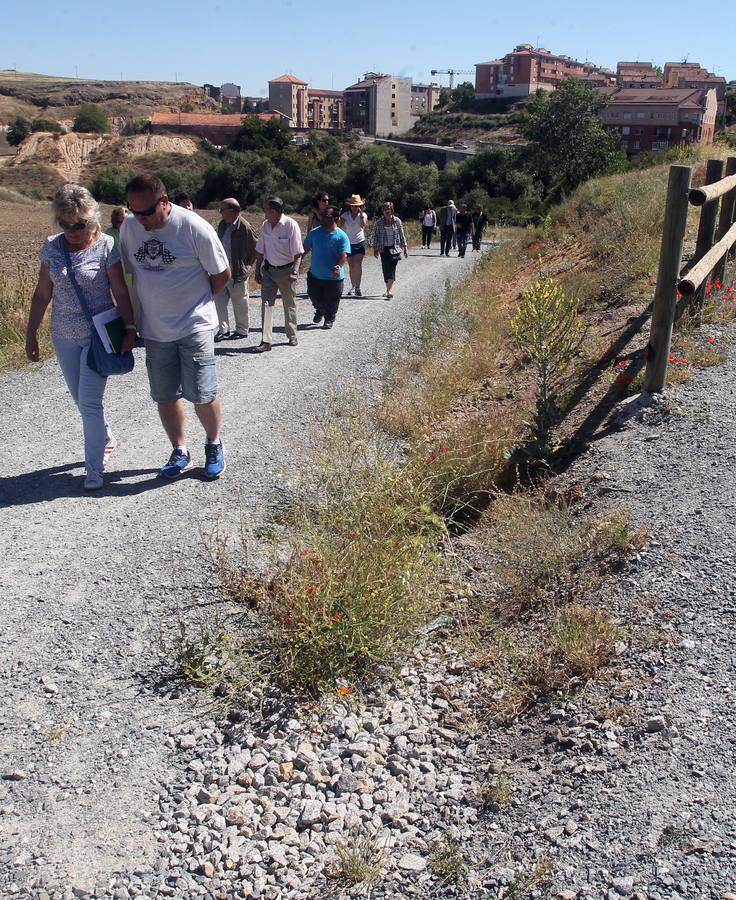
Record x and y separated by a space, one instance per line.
716 237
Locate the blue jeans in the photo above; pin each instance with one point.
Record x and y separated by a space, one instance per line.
86 388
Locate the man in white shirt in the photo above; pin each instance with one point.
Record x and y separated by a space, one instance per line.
278 252
178 264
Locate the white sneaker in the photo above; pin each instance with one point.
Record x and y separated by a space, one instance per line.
109 448
351 292
93 481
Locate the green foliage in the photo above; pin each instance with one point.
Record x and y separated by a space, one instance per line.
45 125
247 176
19 129
139 126
548 333
463 94
381 173
262 137
108 185
568 142
91 118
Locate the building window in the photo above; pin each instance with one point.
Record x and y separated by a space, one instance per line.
636 145
640 115
627 115
625 129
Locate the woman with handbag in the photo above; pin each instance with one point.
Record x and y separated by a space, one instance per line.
389 241
79 268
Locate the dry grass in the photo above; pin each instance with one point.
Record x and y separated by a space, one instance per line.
15 298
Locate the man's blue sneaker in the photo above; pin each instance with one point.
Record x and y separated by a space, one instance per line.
214 461
179 461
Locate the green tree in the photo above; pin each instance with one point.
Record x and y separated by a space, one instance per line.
381 173
19 128
45 125
247 176
91 118
568 142
463 95
108 185
262 137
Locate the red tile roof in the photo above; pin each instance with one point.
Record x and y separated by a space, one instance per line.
291 79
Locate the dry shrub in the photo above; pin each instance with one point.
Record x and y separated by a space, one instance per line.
359 584
584 639
531 542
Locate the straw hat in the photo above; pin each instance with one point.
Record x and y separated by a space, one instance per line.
354 200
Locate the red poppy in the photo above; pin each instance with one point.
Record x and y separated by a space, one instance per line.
309 590
287 620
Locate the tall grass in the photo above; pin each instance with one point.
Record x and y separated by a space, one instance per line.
16 289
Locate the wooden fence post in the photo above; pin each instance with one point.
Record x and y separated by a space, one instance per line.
726 218
706 233
665 294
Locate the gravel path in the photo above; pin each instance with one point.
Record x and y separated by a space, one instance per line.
88 580
113 788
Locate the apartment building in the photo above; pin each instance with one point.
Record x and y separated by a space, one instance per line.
660 118
424 98
527 69
693 75
379 104
637 75
287 94
325 109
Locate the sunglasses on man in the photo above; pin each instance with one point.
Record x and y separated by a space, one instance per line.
145 212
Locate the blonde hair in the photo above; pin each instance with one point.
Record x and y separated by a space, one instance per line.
78 202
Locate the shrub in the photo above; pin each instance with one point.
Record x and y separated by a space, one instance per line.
45 125
90 118
108 185
18 129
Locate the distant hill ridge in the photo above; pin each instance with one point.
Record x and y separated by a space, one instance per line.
29 93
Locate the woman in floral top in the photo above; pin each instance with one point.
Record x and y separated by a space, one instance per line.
389 241
96 265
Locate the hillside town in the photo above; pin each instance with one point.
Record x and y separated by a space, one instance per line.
652 108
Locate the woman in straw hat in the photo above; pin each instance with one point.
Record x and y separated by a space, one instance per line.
353 222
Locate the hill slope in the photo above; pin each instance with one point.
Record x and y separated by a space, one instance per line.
29 94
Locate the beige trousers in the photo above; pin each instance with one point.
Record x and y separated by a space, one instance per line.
274 280
235 292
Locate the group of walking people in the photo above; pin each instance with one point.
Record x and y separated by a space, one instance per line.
173 278
457 226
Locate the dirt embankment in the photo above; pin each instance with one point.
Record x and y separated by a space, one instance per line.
71 154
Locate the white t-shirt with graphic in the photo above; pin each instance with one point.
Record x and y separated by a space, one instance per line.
171 268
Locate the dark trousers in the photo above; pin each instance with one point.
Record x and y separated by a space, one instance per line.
388 264
325 296
477 238
446 239
427 232
462 242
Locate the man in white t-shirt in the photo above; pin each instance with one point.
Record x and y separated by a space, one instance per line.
178 264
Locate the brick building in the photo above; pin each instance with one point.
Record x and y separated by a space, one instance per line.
306 107
527 69
637 75
693 75
379 104
219 129
660 118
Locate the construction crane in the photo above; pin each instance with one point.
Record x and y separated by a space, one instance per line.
452 73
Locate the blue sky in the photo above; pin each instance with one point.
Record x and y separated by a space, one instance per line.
331 44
